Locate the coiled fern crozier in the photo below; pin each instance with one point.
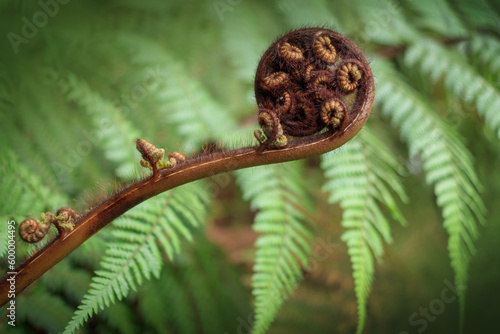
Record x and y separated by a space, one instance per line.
314 91
77 94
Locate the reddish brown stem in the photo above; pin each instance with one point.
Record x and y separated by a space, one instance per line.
191 170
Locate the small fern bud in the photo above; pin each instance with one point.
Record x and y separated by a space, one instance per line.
179 158
149 152
269 123
66 214
152 157
170 163
32 230
65 219
259 136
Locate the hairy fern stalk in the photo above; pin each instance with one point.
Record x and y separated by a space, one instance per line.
234 253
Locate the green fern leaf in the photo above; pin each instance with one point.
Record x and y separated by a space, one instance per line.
438 16
479 15
446 161
134 254
189 106
360 177
182 99
58 277
459 77
25 195
487 49
113 131
120 317
47 311
171 294
245 52
283 246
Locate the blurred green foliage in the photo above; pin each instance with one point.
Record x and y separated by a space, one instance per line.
79 80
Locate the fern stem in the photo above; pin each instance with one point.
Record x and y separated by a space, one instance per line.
343 123
193 169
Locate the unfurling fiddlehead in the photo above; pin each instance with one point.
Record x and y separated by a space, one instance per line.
308 80
314 90
152 157
32 230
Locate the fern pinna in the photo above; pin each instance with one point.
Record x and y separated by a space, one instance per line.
446 161
321 92
360 195
123 64
284 247
141 238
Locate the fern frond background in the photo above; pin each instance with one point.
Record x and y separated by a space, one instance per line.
313 246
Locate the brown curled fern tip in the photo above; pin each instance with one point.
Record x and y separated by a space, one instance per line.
309 80
314 90
32 231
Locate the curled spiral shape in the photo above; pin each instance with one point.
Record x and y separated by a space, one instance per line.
33 231
324 50
274 80
309 80
349 75
290 52
66 214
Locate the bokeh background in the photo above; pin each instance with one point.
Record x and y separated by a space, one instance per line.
65 73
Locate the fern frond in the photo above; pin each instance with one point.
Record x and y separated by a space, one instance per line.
459 76
38 161
134 254
245 52
395 29
283 246
121 318
189 106
64 278
360 177
199 292
171 295
446 161
24 195
438 16
26 192
181 99
48 312
113 132
479 15
487 49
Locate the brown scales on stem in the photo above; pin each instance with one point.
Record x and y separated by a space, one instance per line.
299 119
